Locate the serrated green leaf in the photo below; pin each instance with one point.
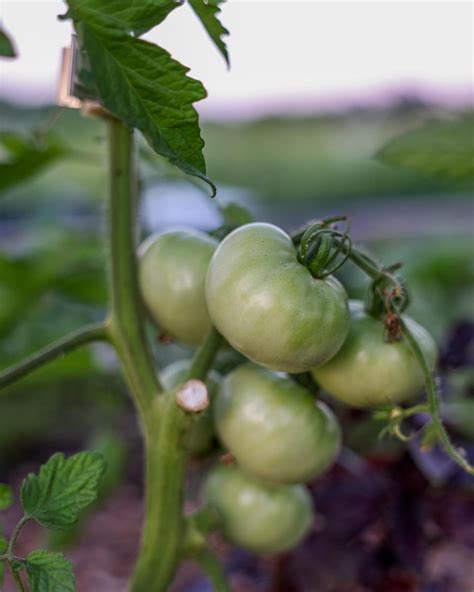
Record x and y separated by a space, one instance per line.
114 450
141 84
6 496
56 496
439 148
138 16
208 13
49 572
7 49
24 158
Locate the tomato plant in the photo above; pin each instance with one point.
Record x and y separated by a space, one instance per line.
267 304
370 369
260 516
272 296
172 272
274 427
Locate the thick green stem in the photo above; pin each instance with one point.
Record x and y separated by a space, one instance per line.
164 528
87 334
126 323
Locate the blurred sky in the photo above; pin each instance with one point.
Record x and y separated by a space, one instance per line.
286 55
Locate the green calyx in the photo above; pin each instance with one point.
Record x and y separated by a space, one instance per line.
321 247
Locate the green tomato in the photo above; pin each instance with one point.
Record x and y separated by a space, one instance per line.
200 437
368 370
273 427
172 272
259 516
269 307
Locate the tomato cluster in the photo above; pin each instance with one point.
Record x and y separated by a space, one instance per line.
268 306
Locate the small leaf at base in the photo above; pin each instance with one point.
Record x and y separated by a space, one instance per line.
56 496
49 572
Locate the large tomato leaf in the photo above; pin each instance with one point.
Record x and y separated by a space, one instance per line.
138 16
141 84
208 13
440 148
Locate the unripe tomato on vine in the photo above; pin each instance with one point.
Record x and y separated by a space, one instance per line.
371 370
172 271
273 427
257 515
268 305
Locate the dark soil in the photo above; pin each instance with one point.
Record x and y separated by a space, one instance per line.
379 528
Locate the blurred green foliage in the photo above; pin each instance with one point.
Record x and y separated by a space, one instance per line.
440 148
314 158
25 157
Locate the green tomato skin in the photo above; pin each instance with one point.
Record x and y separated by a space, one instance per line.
200 438
368 370
259 516
273 427
172 272
269 307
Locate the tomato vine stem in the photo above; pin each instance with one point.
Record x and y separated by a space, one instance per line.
126 323
83 336
433 403
14 537
205 355
9 556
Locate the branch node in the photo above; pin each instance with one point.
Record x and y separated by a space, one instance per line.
193 396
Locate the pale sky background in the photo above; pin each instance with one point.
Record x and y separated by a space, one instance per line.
285 55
